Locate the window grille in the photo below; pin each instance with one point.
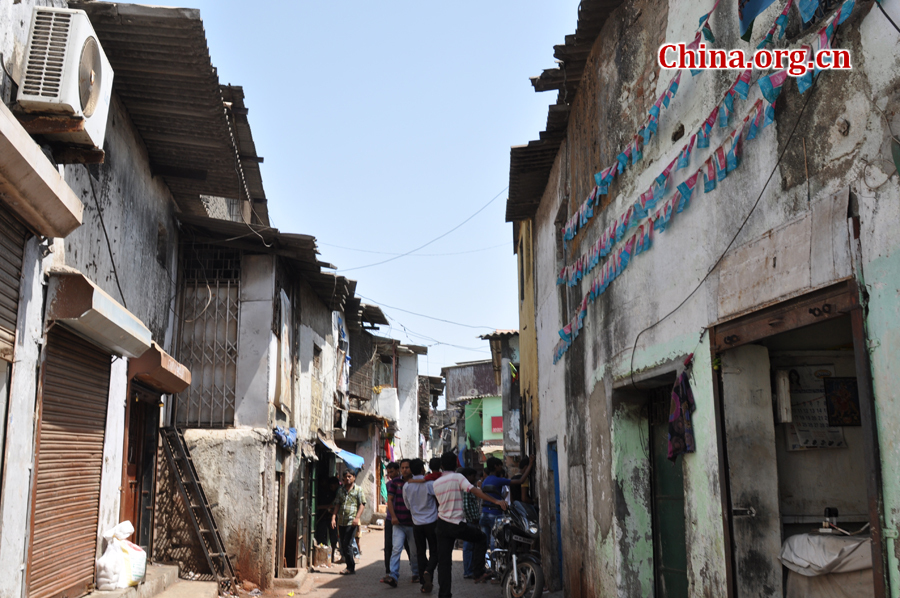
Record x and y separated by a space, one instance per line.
208 344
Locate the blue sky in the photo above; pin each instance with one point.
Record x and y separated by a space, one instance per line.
384 125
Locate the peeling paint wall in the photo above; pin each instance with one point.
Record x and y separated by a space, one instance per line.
237 470
598 438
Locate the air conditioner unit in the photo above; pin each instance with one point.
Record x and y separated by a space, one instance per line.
67 73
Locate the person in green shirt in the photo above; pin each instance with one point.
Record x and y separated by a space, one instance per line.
348 504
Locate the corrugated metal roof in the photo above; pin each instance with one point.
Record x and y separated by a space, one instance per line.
300 250
530 165
165 78
499 334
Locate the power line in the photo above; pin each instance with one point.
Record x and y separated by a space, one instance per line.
397 257
415 254
423 315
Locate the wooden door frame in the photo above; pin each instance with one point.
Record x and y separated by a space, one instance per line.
835 301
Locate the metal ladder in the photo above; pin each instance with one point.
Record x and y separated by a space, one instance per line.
198 507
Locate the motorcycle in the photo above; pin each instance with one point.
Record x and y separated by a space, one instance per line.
515 560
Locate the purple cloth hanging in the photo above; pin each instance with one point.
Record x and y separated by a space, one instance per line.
681 430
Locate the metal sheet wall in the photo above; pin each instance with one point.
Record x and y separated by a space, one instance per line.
12 246
66 501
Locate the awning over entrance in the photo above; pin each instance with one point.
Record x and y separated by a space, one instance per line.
159 370
82 306
352 460
30 185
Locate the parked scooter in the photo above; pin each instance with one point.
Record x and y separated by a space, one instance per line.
515 560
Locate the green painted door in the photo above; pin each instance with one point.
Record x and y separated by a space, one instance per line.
667 487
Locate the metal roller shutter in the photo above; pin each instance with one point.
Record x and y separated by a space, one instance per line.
12 245
66 499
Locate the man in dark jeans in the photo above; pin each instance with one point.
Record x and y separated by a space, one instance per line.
391 471
452 526
348 505
419 498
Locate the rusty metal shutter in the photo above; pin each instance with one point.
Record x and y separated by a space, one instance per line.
12 245
66 502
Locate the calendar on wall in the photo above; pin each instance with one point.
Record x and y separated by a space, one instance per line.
809 429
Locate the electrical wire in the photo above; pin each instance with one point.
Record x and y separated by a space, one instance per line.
736 234
422 315
397 257
414 254
886 15
105 235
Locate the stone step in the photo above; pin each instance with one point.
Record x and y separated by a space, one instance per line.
191 589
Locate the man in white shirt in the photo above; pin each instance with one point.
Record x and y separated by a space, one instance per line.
452 526
419 499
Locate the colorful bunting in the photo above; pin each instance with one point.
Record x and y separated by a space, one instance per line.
771 85
684 157
807 9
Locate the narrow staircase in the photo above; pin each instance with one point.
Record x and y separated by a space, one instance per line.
198 507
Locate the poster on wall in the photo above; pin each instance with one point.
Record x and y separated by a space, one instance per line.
842 401
810 429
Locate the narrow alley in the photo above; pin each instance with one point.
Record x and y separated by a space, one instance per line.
590 298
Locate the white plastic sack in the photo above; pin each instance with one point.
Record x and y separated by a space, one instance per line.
123 564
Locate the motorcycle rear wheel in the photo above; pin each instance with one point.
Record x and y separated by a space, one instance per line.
529 584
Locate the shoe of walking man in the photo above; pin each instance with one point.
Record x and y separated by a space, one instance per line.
402 526
348 505
452 526
419 498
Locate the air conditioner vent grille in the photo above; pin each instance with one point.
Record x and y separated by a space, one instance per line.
47 55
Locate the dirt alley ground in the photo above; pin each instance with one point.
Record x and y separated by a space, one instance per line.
326 582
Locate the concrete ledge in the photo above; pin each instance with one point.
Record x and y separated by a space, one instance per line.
293 583
158 579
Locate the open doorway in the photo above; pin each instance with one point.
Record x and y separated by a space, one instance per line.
797 441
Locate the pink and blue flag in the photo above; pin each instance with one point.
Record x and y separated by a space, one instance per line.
684 158
662 182
769 117
808 9
686 189
637 152
757 122
705 129
726 108
733 159
806 80
742 84
771 85
709 176
721 162
672 90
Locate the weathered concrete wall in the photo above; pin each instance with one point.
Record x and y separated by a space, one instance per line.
237 470
620 82
138 212
407 391
111 477
315 389
255 383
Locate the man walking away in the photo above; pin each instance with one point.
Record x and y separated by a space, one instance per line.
472 509
493 486
435 466
419 498
391 471
325 534
402 526
452 526
348 504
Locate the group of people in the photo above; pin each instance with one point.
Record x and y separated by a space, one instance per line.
426 516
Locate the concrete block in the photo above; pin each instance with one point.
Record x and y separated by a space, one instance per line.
292 583
158 579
